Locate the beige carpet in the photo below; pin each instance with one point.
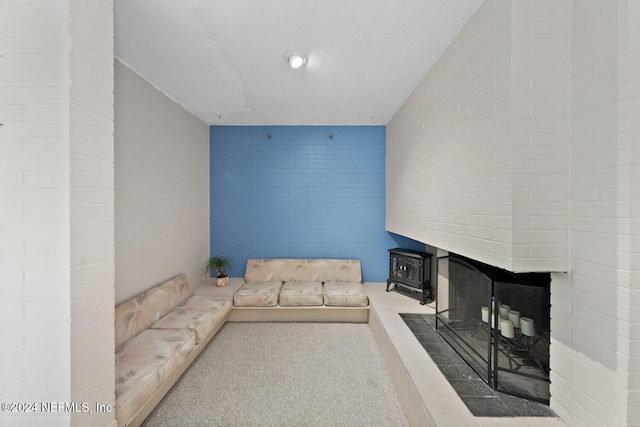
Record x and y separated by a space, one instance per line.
285 374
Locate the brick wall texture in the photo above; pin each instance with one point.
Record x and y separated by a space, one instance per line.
520 148
478 156
162 187
56 207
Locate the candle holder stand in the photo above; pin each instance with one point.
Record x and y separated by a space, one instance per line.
518 352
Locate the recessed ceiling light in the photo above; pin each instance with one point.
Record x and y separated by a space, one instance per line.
295 58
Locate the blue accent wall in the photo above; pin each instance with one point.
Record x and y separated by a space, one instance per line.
301 192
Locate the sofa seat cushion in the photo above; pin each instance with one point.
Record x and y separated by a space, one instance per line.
200 313
294 294
257 294
144 362
345 294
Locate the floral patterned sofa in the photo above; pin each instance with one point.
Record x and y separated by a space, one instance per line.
302 283
157 335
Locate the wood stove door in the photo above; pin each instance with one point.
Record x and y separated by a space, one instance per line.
396 269
412 272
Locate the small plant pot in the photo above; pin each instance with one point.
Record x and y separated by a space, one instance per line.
222 281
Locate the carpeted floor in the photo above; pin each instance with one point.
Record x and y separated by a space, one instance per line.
285 374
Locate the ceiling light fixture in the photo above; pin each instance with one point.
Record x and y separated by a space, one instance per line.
295 58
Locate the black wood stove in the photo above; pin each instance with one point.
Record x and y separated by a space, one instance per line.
410 271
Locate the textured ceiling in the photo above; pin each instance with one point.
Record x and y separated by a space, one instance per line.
223 60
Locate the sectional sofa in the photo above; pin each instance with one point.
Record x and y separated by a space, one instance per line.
160 332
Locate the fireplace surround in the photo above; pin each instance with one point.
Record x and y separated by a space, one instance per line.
498 322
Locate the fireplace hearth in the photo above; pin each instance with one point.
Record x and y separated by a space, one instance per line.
498 322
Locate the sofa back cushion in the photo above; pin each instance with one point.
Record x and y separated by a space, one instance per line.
139 313
304 270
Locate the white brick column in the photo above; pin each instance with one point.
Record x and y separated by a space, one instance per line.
56 208
596 310
92 289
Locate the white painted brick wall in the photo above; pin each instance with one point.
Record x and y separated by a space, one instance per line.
478 157
56 210
595 340
92 207
162 187
34 208
595 352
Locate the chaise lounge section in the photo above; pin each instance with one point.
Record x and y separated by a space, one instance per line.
157 335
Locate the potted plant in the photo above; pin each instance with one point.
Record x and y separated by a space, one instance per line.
219 264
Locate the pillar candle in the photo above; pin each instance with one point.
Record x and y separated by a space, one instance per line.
506 328
504 311
528 326
493 321
485 314
514 316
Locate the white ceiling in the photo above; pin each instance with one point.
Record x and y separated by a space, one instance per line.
223 59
